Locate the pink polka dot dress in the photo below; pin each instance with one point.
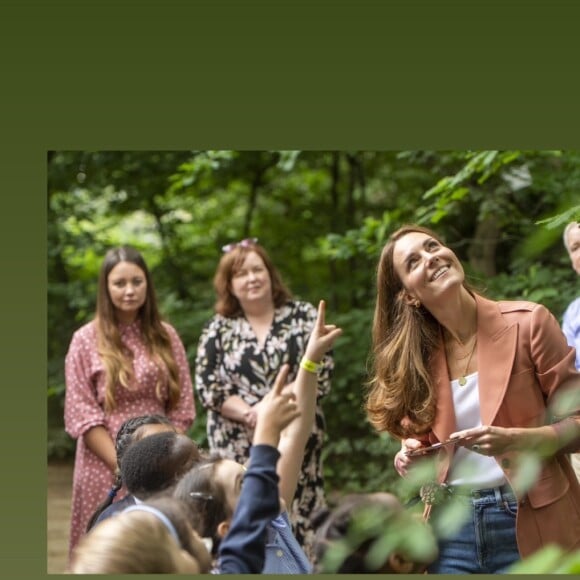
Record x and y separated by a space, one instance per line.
84 409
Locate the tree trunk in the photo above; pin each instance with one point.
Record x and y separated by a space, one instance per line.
482 249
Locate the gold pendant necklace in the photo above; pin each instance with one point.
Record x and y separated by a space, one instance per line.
462 379
467 353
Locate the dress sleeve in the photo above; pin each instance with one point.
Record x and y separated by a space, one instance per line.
82 410
327 363
183 414
210 382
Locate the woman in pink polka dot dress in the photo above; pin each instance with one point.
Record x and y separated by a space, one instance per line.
124 363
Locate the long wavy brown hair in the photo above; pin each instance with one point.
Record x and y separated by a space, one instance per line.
401 397
116 359
227 304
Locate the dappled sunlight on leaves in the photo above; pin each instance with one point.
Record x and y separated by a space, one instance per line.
550 560
448 518
379 533
565 402
527 471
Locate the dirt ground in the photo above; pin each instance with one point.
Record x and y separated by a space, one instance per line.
58 515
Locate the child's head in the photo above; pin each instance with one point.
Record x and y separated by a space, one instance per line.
346 536
211 490
149 538
135 428
131 430
155 463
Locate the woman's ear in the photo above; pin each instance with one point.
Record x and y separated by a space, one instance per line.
410 300
223 528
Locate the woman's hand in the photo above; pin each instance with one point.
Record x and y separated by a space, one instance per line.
236 409
402 461
250 417
322 337
491 440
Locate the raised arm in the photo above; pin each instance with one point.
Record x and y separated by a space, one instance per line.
242 551
294 438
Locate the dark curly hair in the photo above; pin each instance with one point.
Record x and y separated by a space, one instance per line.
128 433
155 463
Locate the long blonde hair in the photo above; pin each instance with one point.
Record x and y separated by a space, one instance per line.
116 359
401 398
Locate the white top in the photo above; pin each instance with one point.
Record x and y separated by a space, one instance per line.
470 468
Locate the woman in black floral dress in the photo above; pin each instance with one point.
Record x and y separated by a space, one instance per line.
256 329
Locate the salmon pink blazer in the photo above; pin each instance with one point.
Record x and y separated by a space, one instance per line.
522 360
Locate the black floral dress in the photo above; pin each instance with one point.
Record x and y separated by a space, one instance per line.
231 362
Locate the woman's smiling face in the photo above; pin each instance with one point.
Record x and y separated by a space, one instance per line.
251 281
426 268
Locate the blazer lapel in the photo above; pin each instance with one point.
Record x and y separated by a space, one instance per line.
497 342
495 357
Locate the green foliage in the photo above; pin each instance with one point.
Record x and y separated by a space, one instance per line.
549 560
562 219
386 532
58 444
552 286
448 191
324 217
527 472
357 447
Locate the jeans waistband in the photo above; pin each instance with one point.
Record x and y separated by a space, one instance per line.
436 493
479 493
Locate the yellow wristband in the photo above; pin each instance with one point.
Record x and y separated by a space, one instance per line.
309 366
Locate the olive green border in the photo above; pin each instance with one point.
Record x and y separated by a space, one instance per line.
306 74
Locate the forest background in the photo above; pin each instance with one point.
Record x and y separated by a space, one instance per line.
324 217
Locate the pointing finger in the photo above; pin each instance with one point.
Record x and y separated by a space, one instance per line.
321 315
281 377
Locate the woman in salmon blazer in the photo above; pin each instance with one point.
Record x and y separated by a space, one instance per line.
489 376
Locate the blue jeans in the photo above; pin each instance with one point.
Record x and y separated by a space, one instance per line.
486 543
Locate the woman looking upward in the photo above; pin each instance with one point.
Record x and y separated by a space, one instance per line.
451 364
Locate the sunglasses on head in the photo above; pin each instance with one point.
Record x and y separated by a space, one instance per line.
248 242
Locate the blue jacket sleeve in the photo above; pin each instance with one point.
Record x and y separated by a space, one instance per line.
242 551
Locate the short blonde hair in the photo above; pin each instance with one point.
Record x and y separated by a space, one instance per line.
567 230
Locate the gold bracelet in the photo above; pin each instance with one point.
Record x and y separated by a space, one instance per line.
309 365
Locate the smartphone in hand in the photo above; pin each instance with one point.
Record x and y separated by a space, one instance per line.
431 448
